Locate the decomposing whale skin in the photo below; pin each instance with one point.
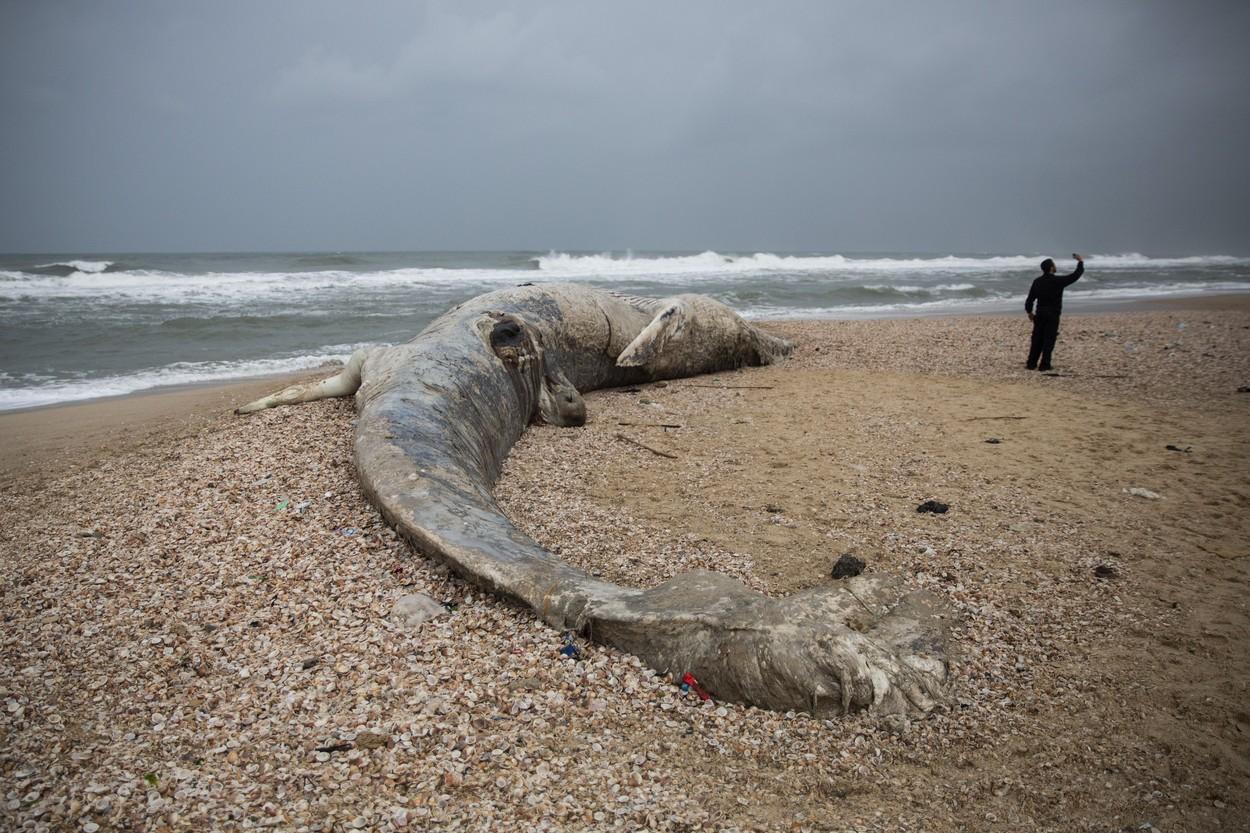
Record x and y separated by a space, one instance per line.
439 414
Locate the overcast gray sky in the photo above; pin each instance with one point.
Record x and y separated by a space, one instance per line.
934 126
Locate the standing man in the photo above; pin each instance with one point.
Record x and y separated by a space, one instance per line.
1047 291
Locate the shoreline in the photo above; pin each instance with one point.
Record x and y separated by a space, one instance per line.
278 379
81 432
1224 300
50 438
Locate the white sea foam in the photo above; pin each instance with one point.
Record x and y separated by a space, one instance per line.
908 289
994 302
90 266
901 309
712 262
1129 291
229 287
179 373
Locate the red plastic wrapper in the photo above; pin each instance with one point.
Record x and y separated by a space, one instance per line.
693 684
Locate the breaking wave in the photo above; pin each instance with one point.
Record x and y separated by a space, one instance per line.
98 280
226 287
567 264
70 267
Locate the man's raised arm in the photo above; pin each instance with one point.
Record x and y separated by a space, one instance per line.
1068 280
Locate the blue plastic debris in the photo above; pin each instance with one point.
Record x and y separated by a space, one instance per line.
570 648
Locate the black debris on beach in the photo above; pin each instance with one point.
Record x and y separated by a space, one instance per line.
848 566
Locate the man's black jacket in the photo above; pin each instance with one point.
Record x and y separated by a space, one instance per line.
1047 291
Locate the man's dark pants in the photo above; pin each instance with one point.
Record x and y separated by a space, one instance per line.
1045 331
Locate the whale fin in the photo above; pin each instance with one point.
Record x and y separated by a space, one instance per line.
344 383
667 326
647 306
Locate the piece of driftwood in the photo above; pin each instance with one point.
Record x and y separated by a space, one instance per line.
632 441
974 419
1087 375
650 424
733 387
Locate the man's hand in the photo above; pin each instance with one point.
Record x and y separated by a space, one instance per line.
1078 258
1030 315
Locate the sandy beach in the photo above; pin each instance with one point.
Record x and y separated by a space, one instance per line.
195 604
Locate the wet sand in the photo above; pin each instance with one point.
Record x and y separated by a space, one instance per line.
49 439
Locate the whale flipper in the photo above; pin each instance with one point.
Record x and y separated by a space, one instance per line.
344 383
667 327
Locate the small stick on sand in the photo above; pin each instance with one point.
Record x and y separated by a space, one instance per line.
732 387
973 419
1087 375
647 447
650 424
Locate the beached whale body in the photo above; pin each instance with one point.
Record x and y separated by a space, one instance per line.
439 414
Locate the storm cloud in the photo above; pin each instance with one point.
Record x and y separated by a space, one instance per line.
869 126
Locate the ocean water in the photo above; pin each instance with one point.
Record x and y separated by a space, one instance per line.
82 326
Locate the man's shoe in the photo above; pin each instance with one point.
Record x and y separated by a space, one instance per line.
1044 368
1030 367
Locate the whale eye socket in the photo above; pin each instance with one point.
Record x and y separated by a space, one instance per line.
505 334
510 342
